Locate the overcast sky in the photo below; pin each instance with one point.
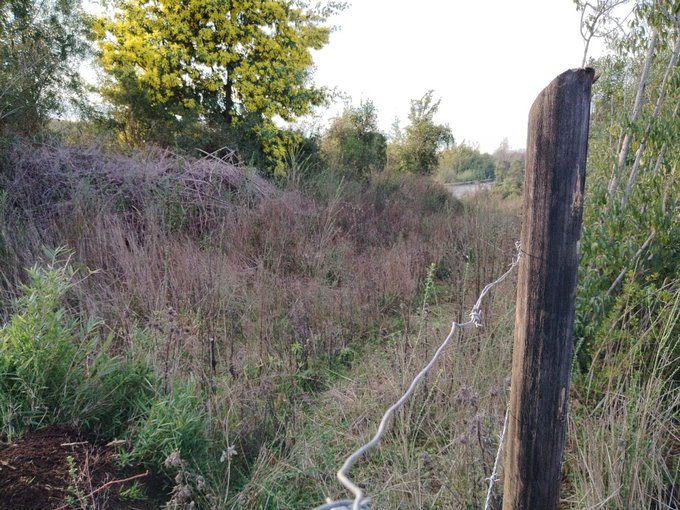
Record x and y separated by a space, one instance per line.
486 59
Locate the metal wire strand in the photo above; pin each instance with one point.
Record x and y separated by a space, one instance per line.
494 474
360 502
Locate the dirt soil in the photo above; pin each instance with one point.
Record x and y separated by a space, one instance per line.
35 475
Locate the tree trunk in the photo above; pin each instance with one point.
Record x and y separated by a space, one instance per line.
657 110
229 99
637 108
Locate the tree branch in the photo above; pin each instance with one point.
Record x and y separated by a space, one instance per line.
657 109
619 278
108 484
637 108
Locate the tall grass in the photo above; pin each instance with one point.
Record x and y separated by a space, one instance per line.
55 367
623 450
440 448
245 338
250 301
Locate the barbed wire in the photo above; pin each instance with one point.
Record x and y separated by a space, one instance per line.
360 502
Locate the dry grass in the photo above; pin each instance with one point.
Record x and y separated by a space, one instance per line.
263 296
440 448
303 313
623 452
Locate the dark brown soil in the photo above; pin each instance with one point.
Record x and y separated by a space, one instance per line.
35 474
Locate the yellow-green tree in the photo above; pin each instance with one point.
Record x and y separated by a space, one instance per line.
211 62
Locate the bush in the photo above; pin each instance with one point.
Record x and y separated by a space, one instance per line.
41 44
54 370
118 392
417 149
464 163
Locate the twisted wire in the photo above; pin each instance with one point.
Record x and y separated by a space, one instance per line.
494 474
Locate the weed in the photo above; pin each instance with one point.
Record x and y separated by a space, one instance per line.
76 498
234 314
175 422
618 453
134 492
55 369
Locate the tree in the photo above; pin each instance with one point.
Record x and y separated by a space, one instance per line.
631 237
41 43
465 163
212 62
627 330
423 139
508 169
353 143
598 21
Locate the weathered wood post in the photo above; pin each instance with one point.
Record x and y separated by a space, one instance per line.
546 290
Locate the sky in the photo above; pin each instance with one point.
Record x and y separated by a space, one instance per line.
486 59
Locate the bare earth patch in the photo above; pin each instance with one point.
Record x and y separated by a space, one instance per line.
35 474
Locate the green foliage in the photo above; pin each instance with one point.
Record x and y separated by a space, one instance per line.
116 393
176 422
53 370
631 238
510 176
133 492
354 145
41 43
508 169
76 497
211 64
37 354
417 149
624 445
303 160
464 163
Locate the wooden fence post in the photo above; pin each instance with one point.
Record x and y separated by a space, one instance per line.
546 290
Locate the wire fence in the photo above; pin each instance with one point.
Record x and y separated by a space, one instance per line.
493 478
361 501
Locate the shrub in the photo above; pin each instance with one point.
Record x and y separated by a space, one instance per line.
417 149
464 163
54 370
38 358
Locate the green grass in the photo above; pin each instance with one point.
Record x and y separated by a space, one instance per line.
621 446
54 366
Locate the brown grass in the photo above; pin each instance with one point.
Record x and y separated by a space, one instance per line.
203 268
305 312
440 448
